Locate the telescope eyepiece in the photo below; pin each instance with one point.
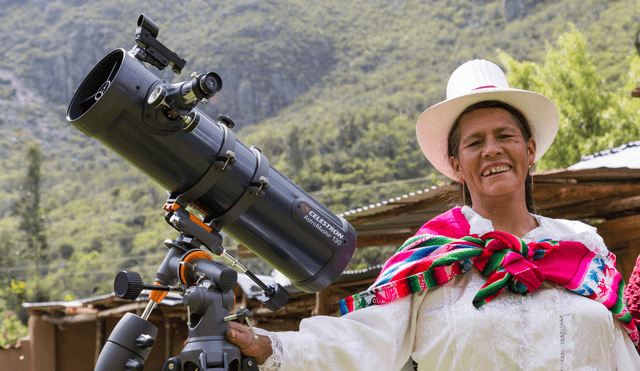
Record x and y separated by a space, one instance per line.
209 84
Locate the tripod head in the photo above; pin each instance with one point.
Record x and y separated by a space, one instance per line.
206 288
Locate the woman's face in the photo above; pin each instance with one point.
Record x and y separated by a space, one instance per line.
493 157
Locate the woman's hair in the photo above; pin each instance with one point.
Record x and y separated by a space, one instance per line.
453 144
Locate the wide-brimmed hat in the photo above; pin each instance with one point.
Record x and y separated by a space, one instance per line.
474 82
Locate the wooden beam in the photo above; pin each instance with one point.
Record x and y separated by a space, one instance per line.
549 196
619 231
123 309
595 208
383 239
80 318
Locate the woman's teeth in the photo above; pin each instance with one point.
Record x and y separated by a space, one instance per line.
496 169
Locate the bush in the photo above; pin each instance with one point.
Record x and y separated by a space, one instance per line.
11 329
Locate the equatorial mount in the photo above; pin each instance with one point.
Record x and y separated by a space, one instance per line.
206 289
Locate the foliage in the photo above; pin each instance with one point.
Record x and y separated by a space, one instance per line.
9 255
20 292
592 117
33 244
330 91
11 329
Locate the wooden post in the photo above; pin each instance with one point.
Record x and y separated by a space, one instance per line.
634 253
323 306
43 343
99 338
167 338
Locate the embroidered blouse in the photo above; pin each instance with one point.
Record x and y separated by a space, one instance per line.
441 329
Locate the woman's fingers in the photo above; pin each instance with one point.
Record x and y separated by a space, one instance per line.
242 337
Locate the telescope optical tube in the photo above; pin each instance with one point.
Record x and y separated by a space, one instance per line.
127 108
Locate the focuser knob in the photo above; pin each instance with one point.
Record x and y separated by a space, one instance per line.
275 297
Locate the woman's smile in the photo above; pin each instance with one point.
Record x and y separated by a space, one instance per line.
495 169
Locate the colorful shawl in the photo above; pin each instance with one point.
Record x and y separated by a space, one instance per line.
443 248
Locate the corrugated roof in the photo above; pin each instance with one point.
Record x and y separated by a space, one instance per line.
626 155
399 201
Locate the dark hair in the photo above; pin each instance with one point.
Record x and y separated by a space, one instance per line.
453 144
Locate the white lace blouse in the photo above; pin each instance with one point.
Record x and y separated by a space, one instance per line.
552 329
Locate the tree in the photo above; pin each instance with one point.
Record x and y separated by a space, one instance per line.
8 257
33 244
592 118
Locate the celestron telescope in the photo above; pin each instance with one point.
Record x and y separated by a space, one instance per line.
156 126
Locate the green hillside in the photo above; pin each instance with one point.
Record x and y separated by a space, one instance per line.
330 91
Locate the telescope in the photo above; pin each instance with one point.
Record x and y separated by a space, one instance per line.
157 127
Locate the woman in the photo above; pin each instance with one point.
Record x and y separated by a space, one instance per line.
474 289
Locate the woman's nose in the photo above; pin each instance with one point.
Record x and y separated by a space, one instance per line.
491 147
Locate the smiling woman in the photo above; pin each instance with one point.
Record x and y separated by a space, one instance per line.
486 286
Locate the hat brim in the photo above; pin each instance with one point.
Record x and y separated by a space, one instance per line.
435 123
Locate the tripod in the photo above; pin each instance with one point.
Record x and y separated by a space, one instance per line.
206 288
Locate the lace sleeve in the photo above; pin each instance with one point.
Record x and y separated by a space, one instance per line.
273 362
374 338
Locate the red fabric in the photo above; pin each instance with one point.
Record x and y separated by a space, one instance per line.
632 293
450 224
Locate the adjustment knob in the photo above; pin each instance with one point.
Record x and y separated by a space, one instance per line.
226 121
144 341
127 285
134 365
276 297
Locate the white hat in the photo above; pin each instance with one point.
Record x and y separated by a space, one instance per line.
474 82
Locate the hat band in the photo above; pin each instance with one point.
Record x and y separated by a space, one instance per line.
485 87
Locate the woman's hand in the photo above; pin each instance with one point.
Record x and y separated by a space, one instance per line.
242 337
